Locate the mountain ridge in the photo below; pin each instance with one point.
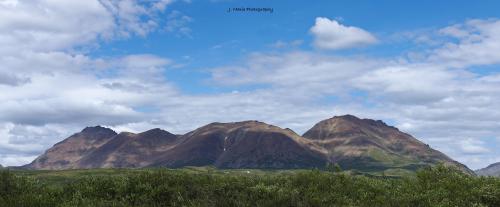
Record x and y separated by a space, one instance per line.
490 170
351 142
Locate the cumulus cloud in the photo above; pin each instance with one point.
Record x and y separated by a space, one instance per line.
330 34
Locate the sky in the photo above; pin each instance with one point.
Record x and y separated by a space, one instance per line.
430 68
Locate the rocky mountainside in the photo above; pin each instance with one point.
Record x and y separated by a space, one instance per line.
372 145
129 150
491 170
353 143
65 154
248 144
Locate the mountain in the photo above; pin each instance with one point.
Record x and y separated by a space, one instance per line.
491 170
371 145
353 143
129 150
249 144
66 153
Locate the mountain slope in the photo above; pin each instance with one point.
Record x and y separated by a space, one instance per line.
129 150
248 144
370 145
491 170
66 153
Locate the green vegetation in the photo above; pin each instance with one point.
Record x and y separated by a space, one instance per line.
438 186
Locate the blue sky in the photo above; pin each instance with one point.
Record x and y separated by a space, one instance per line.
219 38
431 68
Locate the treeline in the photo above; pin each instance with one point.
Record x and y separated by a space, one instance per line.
438 186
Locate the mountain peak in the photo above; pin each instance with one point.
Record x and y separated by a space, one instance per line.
358 121
97 129
346 117
156 132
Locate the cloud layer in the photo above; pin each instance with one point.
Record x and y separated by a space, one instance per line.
50 87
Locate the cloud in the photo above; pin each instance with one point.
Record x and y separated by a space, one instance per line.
311 73
476 42
12 80
50 87
162 4
49 25
43 26
21 144
283 44
331 35
473 146
177 23
408 84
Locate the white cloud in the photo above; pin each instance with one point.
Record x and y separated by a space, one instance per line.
409 84
477 42
473 146
330 34
177 23
50 88
162 4
307 73
49 25
44 25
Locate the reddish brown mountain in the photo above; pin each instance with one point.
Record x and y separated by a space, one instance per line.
371 145
129 150
353 143
66 153
249 144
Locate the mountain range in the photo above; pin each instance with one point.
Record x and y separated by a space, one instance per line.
491 170
351 142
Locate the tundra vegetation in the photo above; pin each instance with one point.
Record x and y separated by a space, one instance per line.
436 186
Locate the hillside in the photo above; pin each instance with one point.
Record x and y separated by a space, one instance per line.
129 150
371 145
491 170
248 144
65 154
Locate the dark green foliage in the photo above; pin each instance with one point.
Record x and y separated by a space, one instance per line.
438 186
333 167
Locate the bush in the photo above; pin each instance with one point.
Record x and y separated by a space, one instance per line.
437 186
